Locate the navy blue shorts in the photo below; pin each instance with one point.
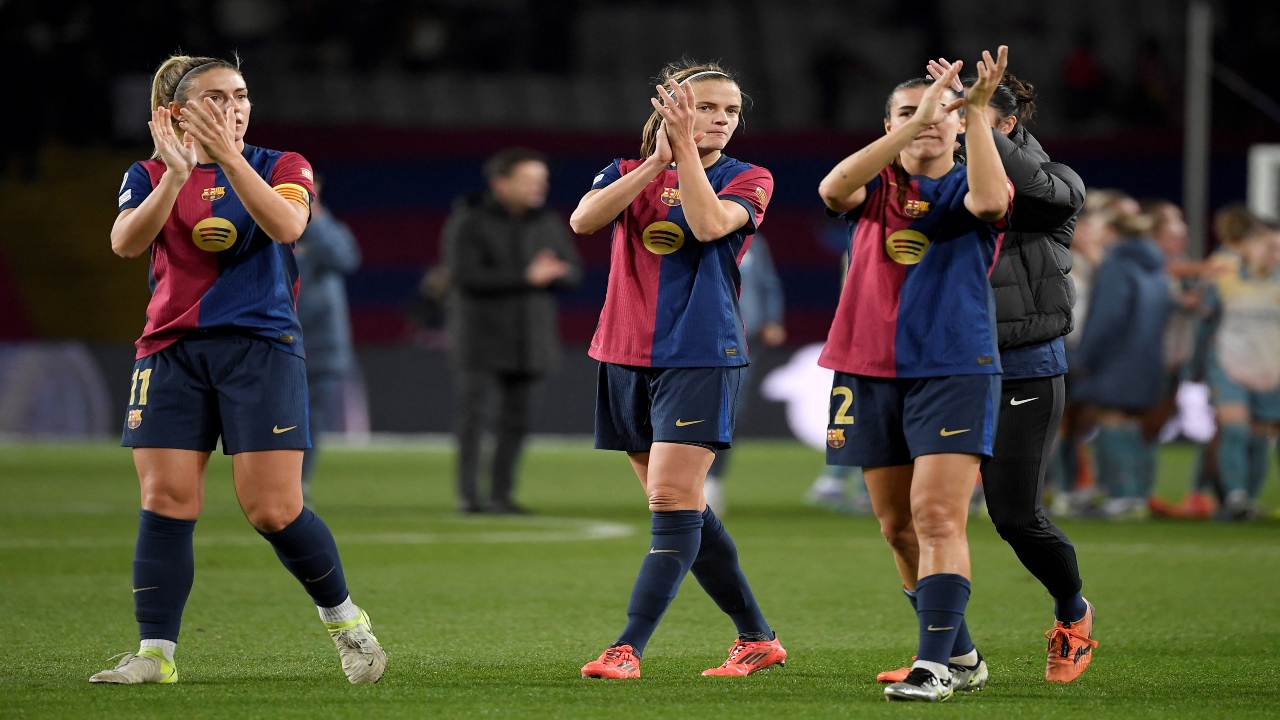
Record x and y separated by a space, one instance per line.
880 422
638 406
204 386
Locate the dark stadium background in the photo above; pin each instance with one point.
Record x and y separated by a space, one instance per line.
396 104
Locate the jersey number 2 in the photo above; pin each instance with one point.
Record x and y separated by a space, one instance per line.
141 384
842 415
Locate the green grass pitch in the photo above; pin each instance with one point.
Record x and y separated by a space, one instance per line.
493 617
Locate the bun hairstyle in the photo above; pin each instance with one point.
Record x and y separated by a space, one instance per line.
176 76
1015 98
680 71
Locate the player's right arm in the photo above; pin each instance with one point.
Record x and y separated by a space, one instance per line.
601 206
136 228
845 187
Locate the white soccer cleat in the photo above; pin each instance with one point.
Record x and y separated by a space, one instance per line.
969 678
921 685
363 659
148 665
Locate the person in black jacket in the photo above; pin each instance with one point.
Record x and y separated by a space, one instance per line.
1034 295
507 255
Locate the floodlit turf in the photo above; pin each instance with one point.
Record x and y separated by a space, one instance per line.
493 617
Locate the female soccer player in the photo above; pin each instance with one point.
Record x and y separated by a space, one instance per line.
221 356
913 345
671 348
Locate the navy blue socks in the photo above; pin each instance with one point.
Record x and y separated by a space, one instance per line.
1069 610
718 572
677 536
164 565
940 605
963 644
307 549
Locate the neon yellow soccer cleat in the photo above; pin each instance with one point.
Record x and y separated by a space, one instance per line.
148 665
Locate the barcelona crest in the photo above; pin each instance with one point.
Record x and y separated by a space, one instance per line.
213 193
135 419
835 438
915 208
670 196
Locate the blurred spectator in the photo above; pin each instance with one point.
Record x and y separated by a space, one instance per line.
1244 368
761 302
1084 80
1119 362
326 253
507 254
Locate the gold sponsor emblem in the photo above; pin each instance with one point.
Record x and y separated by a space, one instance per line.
761 195
915 208
670 197
214 234
213 193
906 246
835 438
663 237
135 419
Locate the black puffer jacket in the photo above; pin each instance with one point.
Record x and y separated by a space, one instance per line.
1034 293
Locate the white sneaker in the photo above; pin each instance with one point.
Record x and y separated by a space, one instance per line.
363 659
713 493
921 685
148 665
969 678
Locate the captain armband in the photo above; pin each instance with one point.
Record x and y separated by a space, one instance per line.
294 192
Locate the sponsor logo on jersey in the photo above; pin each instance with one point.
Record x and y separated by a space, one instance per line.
124 196
306 173
670 197
915 208
761 195
134 421
214 234
663 237
213 193
906 247
835 438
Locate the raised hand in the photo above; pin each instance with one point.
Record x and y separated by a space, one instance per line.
679 113
179 155
936 68
212 127
661 147
989 74
931 110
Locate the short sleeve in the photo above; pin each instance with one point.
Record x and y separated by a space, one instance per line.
875 184
135 188
607 176
753 189
293 178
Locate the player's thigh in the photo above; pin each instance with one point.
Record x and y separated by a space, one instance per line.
864 423
171 480
269 487
941 485
262 396
676 473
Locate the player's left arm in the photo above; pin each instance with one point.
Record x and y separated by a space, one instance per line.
282 218
989 190
709 216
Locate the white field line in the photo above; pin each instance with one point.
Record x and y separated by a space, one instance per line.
556 530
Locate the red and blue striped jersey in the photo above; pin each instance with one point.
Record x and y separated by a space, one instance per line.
917 301
211 265
672 301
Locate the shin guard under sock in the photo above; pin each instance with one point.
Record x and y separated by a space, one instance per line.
963 644
307 549
940 604
676 537
717 570
164 565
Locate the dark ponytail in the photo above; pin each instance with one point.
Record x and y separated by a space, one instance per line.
1015 98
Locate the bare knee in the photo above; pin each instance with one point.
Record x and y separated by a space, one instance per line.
899 533
272 517
938 525
668 500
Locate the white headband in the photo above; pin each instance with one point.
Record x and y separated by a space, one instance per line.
704 72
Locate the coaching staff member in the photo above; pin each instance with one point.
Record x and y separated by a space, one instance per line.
507 255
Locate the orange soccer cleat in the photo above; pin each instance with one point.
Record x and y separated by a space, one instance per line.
1070 648
615 663
895 676
748 657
